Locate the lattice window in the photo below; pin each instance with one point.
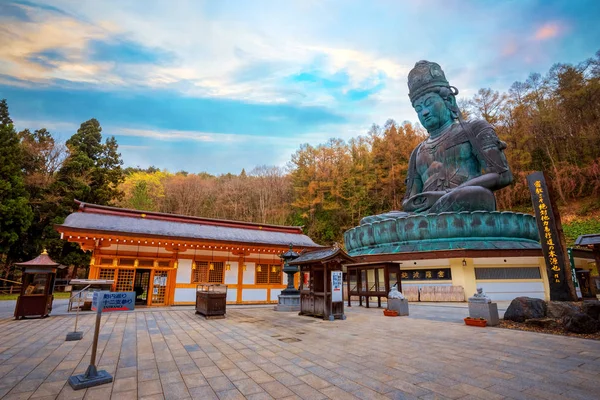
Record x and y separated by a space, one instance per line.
125 280
268 275
159 287
107 273
203 273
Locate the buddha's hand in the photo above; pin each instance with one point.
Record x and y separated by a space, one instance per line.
422 201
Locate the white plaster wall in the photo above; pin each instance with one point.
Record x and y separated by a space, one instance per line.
231 294
231 276
275 293
410 264
254 295
185 295
184 272
510 290
249 275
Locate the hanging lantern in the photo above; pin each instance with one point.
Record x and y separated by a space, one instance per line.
115 262
273 269
258 269
155 264
211 266
136 263
175 264
244 267
194 265
227 265
92 261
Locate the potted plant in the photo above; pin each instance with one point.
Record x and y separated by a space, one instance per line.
390 313
482 322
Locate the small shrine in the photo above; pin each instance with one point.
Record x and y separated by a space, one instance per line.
321 287
37 290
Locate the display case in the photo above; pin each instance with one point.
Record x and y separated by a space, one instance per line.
211 300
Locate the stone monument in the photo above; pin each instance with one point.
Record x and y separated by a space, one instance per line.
289 299
449 201
396 301
481 306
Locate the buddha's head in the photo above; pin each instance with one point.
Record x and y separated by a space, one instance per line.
432 96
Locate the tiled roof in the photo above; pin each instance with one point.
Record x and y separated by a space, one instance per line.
193 229
320 255
43 260
588 240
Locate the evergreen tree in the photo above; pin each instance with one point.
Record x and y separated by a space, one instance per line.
15 213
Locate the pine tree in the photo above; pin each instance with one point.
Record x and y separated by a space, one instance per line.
15 213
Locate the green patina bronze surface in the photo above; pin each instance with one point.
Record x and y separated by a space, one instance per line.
444 231
451 177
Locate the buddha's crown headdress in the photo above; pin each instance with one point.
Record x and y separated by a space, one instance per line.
425 76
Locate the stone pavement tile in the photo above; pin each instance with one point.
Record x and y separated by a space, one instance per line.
259 396
248 386
194 380
171 377
189 369
409 388
376 385
131 394
400 395
148 374
270 368
152 397
476 391
98 393
204 362
68 393
508 392
203 393
149 387
543 394
235 374
286 378
211 372
175 391
260 376
314 381
336 393
443 390
343 383
368 394
124 384
167 366
232 394
48 389
126 372
306 392
220 383
18 396
27 385
298 371
276 389
434 396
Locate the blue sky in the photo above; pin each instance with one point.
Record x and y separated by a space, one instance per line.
220 85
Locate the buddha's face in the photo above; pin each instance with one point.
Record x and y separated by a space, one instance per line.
432 111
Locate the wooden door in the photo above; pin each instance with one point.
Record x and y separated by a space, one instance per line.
159 287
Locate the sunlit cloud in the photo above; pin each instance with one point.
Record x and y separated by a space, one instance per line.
548 31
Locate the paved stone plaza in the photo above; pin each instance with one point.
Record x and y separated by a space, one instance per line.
256 353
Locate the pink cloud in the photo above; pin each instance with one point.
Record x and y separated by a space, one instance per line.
548 31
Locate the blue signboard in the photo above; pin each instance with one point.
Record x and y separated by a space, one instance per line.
114 301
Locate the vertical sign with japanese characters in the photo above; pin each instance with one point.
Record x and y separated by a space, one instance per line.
336 286
559 274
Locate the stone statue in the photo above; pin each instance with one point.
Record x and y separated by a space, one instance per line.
460 164
394 293
480 297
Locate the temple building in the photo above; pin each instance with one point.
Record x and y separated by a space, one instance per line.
163 257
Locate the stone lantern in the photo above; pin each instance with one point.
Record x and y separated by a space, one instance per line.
289 299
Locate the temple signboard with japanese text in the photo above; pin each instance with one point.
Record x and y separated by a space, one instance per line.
559 273
433 274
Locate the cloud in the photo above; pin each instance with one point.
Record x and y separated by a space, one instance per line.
548 31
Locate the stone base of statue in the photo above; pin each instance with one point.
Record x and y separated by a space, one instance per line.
288 302
484 309
400 305
444 231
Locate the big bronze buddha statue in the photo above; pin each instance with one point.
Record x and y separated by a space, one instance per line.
449 201
460 164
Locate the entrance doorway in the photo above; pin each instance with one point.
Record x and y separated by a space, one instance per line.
141 286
